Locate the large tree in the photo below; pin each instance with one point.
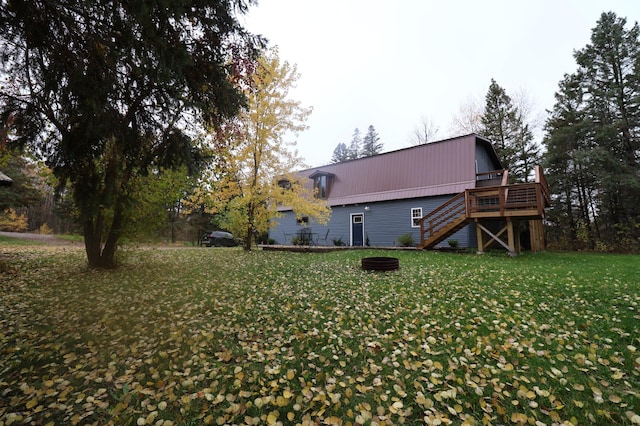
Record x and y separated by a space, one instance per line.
568 169
105 92
599 137
255 176
355 147
371 144
503 124
340 153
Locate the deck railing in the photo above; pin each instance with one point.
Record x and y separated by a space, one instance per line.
492 178
523 199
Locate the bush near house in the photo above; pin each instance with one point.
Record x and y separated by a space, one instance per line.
406 240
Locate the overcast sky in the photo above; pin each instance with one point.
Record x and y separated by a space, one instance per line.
388 64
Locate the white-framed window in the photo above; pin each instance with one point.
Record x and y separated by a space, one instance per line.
416 215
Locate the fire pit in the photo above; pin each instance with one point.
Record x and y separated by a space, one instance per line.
380 263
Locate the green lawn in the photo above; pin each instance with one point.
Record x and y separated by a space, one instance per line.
16 241
220 336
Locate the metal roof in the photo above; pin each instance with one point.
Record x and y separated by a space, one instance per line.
436 168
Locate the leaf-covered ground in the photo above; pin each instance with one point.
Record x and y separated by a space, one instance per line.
220 336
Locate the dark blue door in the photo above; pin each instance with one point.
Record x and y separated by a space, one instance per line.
357 229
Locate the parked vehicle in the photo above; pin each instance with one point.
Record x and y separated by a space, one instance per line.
219 239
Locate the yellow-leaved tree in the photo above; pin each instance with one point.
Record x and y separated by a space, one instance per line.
245 185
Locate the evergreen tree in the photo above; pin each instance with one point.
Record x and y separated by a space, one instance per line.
567 168
371 143
500 123
526 154
340 153
592 140
27 187
111 91
610 77
355 149
513 140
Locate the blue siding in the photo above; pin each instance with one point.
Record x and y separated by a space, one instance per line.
384 222
484 161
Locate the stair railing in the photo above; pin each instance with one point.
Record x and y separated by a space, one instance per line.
440 218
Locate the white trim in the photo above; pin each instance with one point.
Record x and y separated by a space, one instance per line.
413 223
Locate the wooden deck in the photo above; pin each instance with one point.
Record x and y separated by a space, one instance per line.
510 203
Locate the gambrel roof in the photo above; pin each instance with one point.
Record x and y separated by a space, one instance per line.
438 168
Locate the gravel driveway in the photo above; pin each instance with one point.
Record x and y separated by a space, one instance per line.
44 238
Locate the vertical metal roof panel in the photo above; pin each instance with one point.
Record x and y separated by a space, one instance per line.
431 169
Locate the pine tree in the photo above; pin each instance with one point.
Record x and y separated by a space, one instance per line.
593 139
566 162
371 144
355 149
526 154
500 123
610 68
340 153
513 140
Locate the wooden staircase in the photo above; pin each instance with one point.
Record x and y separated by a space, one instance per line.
510 203
443 222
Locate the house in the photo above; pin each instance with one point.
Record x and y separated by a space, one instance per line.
435 192
5 180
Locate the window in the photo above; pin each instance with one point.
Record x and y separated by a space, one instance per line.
284 184
322 183
416 215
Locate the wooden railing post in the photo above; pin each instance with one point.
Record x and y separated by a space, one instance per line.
505 178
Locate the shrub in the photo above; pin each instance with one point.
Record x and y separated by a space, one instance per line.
453 243
338 242
11 221
406 240
45 229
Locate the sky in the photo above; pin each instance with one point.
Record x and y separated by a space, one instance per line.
396 64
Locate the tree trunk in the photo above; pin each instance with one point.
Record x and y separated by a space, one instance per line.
108 257
92 244
250 226
101 256
248 237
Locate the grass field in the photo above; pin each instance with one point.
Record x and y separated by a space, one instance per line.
220 336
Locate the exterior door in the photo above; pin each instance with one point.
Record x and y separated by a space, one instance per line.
357 229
